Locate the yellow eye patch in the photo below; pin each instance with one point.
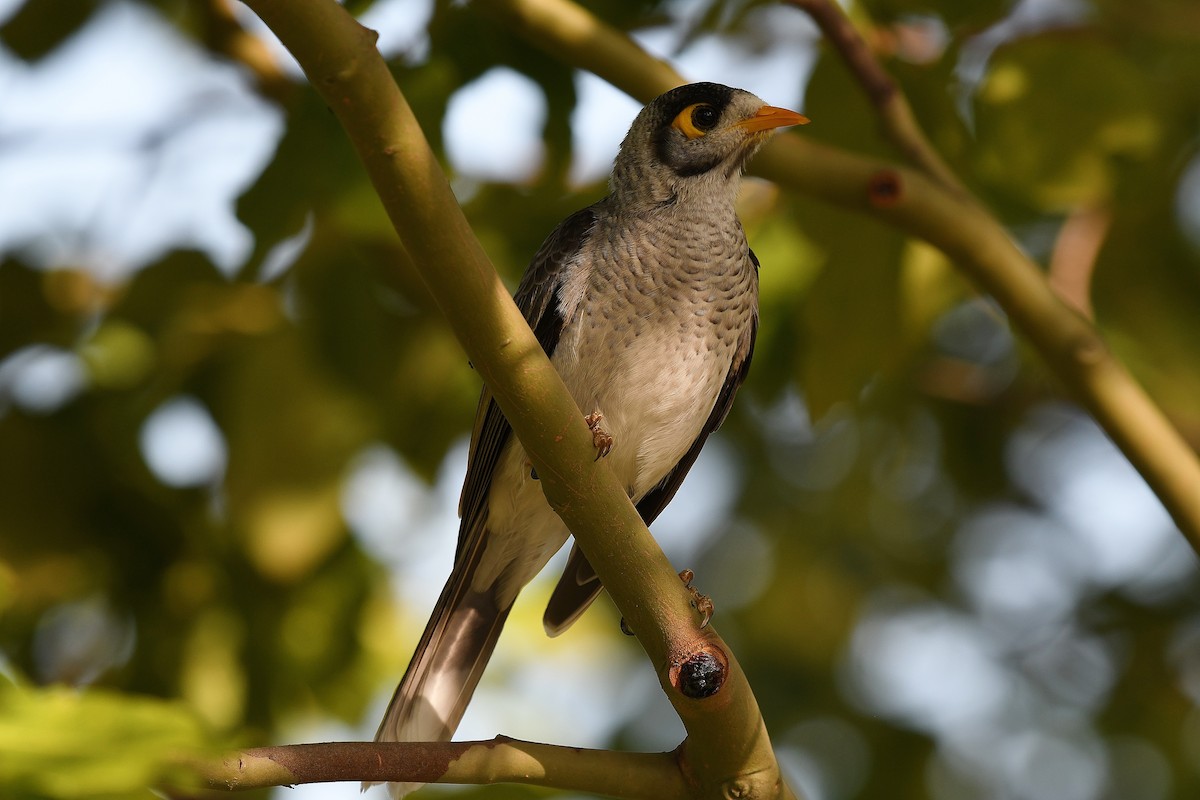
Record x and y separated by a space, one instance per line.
696 120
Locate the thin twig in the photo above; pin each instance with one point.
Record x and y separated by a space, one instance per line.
1073 260
896 117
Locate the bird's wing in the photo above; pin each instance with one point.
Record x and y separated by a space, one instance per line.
578 586
467 619
535 296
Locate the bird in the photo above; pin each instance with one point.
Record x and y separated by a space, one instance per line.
646 303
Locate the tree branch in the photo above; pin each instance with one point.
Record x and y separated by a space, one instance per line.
634 776
727 751
895 114
225 35
922 206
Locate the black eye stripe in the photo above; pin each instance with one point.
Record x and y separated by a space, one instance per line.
669 105
709 94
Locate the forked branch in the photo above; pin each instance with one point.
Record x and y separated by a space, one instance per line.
896 117
727 751
918 202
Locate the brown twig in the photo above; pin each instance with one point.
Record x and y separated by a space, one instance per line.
895 114
1073 261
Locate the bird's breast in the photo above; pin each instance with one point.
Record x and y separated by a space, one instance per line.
654 319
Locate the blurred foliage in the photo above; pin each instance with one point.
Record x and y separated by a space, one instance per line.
878 441
61 743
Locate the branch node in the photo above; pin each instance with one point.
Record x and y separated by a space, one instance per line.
701 674
1089 350
370 34
885 188
736 789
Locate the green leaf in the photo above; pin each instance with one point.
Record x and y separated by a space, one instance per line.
852 316
63 743
1055 118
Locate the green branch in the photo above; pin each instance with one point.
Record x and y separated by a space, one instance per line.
635 776
933 209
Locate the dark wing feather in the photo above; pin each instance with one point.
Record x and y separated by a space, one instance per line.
579 585
466 622
535 296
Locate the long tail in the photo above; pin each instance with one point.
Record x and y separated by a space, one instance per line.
447 665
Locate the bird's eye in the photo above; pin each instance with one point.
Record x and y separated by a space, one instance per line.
704 117
696 120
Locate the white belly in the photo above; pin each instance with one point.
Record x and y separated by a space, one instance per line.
655 403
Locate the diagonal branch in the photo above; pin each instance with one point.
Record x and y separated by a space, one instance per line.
727 751
634 776
922 206
896 117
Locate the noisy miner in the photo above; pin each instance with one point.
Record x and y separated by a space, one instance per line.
647 305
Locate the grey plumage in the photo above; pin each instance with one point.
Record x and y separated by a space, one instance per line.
647 304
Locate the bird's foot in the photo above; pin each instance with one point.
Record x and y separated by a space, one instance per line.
701 602
601 439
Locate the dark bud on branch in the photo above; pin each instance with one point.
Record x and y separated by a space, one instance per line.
885 189
702 674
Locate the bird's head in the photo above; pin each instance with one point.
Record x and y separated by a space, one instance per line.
695 137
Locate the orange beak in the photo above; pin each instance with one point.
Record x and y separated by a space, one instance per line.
769 117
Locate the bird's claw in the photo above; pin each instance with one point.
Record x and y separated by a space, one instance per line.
701 602
601 439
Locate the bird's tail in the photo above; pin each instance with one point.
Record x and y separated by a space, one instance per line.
447 665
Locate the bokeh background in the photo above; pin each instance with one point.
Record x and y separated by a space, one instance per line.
233 427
